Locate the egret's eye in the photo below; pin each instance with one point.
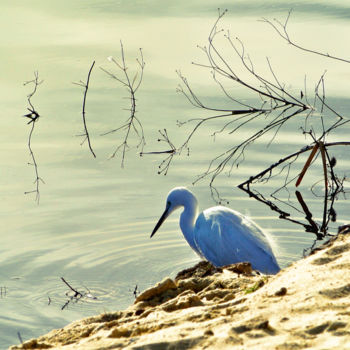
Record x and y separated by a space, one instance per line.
168 203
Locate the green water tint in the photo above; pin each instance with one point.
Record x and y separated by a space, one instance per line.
94 219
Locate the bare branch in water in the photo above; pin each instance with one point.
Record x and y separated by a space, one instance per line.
165 164
20 337
3 292
33 117
76 296
76 292
333 186
307 164
86 88
282 31
135 292
133 124
274 103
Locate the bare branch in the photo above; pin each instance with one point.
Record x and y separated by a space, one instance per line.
133 124
33 117
86 134
282 31
165 164
276 104
76 296
307 164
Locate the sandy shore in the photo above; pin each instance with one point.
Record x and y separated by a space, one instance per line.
305 306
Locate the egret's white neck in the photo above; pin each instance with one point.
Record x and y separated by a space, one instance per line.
188 219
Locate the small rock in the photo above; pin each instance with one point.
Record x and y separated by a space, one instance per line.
336 293
119 332
202 269
138 312
344 229
317 329
281 292
240 268
183 302
209 332
335 326
241 329
158 289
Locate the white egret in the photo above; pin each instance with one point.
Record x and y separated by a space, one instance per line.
219 234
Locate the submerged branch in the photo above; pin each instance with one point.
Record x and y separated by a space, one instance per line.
76 296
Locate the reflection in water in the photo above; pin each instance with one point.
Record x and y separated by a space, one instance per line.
94 219
74 296
86 134
33 117
272 102
131 82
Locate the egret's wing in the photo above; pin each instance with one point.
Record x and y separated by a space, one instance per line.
225 237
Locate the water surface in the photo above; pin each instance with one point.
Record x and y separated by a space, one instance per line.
93 222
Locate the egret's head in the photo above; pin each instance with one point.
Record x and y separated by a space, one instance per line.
177 197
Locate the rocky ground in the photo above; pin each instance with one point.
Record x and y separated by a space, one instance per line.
305 306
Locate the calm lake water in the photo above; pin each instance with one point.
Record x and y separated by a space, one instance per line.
94 219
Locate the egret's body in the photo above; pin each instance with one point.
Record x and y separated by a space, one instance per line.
219 234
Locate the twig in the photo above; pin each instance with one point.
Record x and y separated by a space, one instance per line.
76 292
307 164
165 164
33 117
133 123
324 164
20 337
135 292
333 187
86 87
308 214
274 103
281 30
286 158
276 106
3 292
77 295
279 106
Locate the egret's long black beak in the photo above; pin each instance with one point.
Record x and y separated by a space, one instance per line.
161 220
